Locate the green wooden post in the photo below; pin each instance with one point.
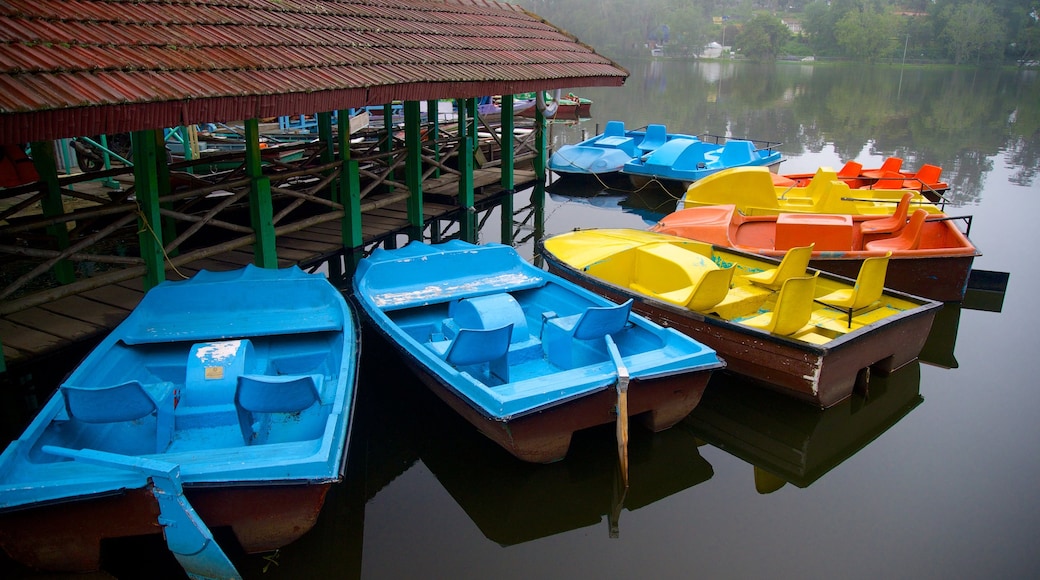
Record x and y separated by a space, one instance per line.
508 166
348 192
146 188
388 145
467 217
434 122
261 208
413 168
47 168
162 175
540 161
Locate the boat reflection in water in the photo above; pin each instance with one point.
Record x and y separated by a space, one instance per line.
514 502
789 442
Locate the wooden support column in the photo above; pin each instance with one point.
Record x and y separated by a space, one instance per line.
413 168
261 208
540 161
434 122
146 189
47 168
467 138
348 192
508 167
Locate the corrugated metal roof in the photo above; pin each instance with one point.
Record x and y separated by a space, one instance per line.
84 67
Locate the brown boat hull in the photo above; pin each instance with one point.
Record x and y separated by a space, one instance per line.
67 537
818 375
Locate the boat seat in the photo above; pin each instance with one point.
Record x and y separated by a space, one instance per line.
890 165
614 129
851 170
793 265
925 178
909 237
478 346
573 341
656 135
123 403
870 283
262 400
736 152
793 308
889 224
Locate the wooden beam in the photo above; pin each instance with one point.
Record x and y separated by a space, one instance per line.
261 208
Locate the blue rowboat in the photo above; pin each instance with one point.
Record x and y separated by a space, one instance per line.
523 355
609 151
688 160
223 400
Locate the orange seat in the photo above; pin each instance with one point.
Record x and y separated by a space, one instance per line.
892 223
926 178
850 170
908 239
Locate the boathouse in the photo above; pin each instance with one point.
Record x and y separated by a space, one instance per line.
306 179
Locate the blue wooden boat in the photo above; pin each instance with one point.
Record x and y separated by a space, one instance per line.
687 160
223 400
609 151
523 355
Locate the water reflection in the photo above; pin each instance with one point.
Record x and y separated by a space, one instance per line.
958 119
789 442
511 501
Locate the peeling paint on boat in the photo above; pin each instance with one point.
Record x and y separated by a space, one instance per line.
218 351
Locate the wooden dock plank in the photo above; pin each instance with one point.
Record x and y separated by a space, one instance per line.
55 324
28 340
115 295
91 311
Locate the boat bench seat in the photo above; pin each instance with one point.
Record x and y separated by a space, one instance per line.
626 144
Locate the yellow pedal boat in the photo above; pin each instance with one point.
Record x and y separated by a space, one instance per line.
809 334
752 190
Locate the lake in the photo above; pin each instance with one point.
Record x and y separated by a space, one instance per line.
934 475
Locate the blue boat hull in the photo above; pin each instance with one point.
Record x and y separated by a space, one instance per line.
548 385
233 381
611 150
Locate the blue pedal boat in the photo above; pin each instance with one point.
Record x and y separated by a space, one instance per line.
525 356
223 400
609 151
687 160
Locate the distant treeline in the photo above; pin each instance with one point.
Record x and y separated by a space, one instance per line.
958 31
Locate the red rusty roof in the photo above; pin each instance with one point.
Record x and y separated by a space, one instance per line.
86 67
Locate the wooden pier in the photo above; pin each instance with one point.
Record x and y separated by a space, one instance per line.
212 234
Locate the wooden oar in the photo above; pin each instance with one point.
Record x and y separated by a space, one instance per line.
622 407
186 534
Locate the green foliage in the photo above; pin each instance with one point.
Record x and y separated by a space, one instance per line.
866 34
864 30
973 29
762 37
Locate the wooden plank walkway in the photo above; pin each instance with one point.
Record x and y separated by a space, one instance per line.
50 328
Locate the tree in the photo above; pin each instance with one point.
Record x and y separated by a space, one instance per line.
762 37
866 34
973 29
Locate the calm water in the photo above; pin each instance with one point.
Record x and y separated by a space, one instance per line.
934 476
